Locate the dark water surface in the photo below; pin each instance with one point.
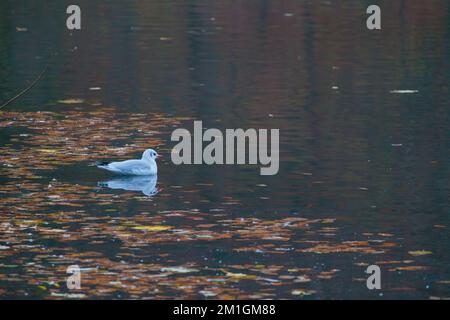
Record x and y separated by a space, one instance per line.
364 168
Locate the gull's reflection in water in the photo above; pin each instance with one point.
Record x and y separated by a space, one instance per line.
145 184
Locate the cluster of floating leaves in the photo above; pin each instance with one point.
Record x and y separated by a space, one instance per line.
39 249
160 254
53 139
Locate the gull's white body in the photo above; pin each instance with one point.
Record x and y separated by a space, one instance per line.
145 166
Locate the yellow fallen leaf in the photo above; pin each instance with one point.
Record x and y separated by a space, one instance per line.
153 228
71 101
241 276
409 268
301 292
47 150
420 253
29 222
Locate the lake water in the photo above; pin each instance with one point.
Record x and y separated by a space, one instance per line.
364 150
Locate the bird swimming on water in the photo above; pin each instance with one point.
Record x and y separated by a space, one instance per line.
139 167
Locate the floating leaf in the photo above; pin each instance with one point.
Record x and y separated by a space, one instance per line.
420 253
153 228
238 275
71 101
179 269
69 295
302 292
409 268
47 150
404 91
208 293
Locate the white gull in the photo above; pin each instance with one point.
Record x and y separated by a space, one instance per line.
139 167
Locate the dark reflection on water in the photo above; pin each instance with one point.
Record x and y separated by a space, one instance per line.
352 148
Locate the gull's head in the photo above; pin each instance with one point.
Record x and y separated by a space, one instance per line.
150 154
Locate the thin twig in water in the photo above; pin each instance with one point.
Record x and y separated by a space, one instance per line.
21 93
